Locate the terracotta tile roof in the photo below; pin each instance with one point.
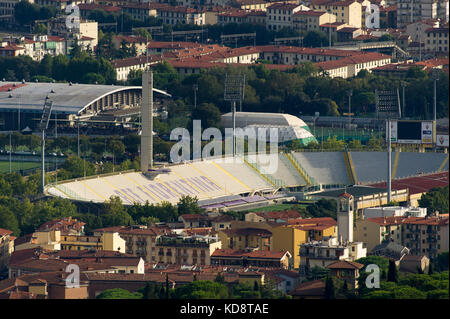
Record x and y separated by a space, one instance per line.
248 232
63 224
317 224
152 231
194 217
5 232
314 288
398 220
309 13
282 6
287 214
134 61
345 264
418 184
94 6
258 254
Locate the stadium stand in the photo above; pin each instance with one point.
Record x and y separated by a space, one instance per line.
324 167
221 184
370 166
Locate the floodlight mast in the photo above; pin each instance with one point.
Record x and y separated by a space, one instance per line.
234 91
43 125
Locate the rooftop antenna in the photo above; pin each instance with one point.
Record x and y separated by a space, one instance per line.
42 126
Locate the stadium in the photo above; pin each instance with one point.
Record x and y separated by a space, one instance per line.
218 184
222 186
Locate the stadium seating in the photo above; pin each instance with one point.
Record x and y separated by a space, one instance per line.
324 167
217 182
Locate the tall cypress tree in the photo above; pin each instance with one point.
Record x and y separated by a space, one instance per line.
330 292
167 286
392 273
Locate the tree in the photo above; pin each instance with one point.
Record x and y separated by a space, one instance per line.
436 199
118 293
220 278
188 205
315 39
330 292
393 272
202 290
430 269
208 114
8 220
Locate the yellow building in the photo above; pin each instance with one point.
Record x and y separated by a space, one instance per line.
6 246
246 237
290 236
53 240
373 231
346 11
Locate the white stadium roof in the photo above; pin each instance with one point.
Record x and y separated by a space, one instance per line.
67 98
254 118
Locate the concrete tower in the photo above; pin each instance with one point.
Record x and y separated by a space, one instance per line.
147 121
345 217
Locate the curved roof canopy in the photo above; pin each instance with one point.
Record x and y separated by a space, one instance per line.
253 118
67 98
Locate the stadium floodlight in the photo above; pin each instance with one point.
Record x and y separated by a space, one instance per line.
435 76
42 126
234 91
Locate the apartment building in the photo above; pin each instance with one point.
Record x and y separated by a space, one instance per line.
409 11
7 10
139 240
254 4
123 67
346 11
376 230
173 15
256 258
141 11
60 4
350 66
280 216
246 237
289 236
328 251
309 20
437 40
6 246
277 54
183 250
280 15
421 235
140 43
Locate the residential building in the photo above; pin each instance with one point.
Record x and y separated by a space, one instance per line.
329 250
253 4
141 11
421 235
246 237
289 236
11 50
186 250
309 290
309 20
280 15
6 246
123 67
346 270
257 258
129 41
348 12
350 66
139 240
279 216
409 11
417 30
7 10
394 211
437 41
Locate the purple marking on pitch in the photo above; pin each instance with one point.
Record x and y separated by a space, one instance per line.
121 196
253 199
165 188
186 190
210 183
234 202
192 181
142 190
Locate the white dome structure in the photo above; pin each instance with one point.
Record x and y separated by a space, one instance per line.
289 126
